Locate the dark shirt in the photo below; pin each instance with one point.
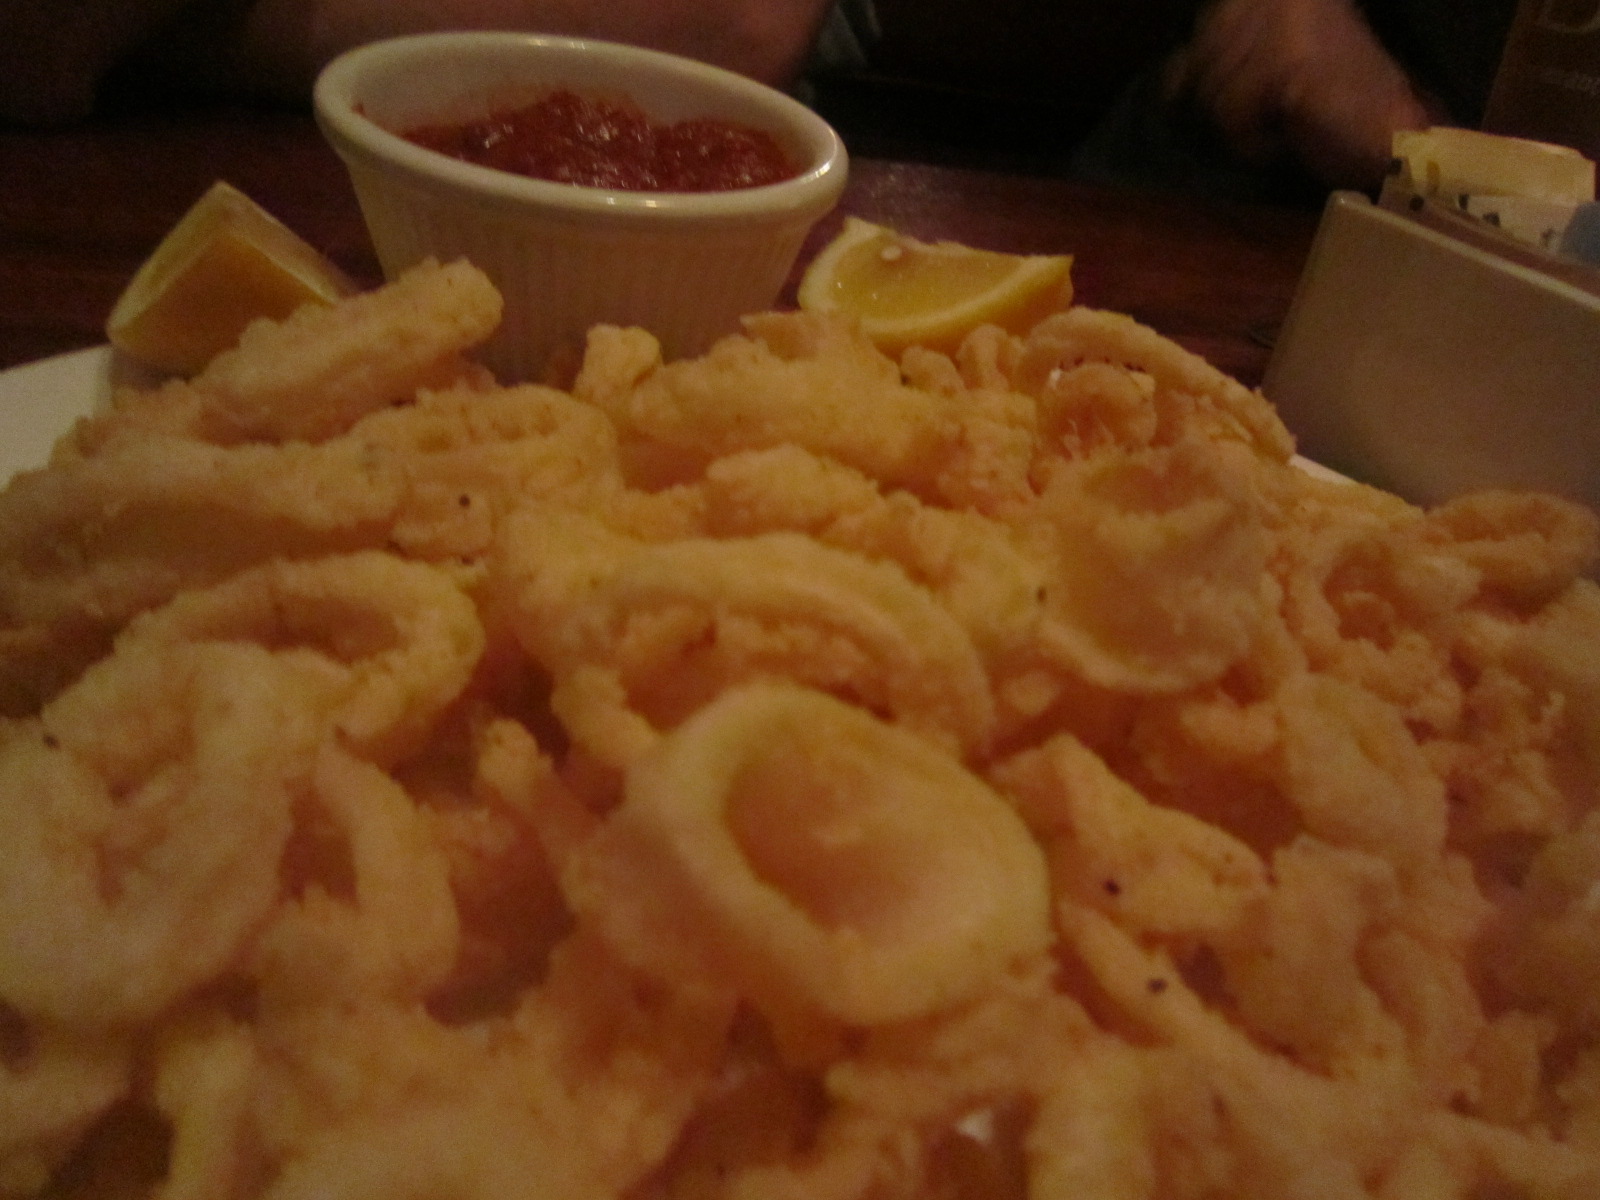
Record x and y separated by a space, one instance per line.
1450 48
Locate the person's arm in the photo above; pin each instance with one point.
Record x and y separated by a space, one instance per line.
1307 78
284 42
53 56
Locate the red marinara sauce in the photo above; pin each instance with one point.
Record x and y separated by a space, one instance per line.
569 138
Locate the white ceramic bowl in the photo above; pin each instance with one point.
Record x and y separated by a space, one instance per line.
685 266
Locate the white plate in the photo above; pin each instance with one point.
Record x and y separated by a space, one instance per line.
39 401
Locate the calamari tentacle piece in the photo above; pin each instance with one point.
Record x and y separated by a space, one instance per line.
1160 559
1082 335
141 821
813 857
314 374
1161 871
815 381
934 676
1356 775
748 393
399 639
1293 1131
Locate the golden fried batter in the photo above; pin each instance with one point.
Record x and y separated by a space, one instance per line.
787 773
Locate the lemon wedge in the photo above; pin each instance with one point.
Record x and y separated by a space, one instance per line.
910 293
225 263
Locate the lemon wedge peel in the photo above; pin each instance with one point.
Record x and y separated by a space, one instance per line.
226 262
906 293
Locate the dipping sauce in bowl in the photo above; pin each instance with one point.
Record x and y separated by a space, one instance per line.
569 254
568 138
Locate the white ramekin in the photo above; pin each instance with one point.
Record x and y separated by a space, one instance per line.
685 266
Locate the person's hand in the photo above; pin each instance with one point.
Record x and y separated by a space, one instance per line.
1306 78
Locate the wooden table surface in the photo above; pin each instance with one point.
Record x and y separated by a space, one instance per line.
80 208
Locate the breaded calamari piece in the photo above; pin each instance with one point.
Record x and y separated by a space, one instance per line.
141 818
1190 394
315 373
94 540
818 383
683 621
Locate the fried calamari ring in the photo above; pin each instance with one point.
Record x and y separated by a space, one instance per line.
1290 1130
314 374
1528 547
93 541
1191 396
141 820
398 934
89 543
471 456
776 603
397 639
1159 567
971 563
790 845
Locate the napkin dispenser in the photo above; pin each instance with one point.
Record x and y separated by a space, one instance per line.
1428 354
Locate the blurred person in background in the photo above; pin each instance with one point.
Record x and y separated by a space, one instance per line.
1283 99
56 56
1254 99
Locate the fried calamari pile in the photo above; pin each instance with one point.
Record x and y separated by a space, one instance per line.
785 773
